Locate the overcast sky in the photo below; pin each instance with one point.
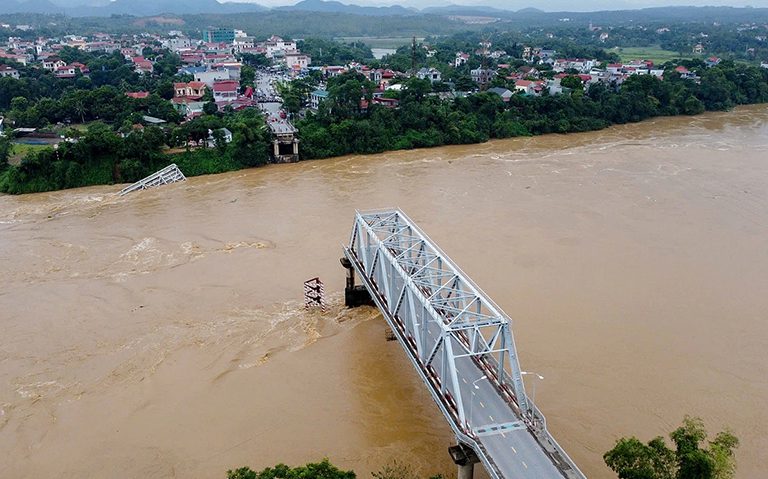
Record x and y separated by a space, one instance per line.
547 5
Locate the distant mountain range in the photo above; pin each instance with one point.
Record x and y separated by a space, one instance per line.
338 7
129 7
29 6
103 8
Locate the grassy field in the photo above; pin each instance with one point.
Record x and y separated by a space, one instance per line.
380 42
654 53
20 150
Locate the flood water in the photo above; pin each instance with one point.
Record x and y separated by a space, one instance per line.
162 334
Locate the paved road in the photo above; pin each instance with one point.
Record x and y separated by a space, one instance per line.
272 109
512 446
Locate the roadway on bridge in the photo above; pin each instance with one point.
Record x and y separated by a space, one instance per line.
512 447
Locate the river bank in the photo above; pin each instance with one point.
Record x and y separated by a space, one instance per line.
344 124
163 332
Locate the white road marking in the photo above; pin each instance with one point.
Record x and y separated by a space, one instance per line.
503 435
491 417
524 464
481 404
513 449
465 381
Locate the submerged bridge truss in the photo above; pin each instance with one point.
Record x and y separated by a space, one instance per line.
460 343
169 174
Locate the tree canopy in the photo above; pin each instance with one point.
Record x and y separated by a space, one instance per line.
320 470
690 459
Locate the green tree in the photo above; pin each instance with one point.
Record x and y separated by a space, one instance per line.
210 108
572 82
631 459
19 103
321 470
6 148
345 93
247 75
241 473
255 60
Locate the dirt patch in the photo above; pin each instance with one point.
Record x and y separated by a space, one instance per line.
160 20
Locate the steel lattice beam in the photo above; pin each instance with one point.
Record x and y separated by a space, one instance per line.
441 317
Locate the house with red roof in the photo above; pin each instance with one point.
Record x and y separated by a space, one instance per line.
333 70
686 74
192 58
128 53
53 62
529 87
461 59
193 90
142 65
225 90
71 70
386 102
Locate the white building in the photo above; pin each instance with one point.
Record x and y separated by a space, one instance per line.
461 59
316 98
178 44
6 71
431 74
225 91
210 77
297 60
276 46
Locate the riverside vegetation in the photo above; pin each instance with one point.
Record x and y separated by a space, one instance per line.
113 150
629 459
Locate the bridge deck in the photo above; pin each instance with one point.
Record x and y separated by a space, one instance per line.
279 126
460 343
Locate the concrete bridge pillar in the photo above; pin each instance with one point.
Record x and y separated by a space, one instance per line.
295 146
276 146
465 458
354 295
467 471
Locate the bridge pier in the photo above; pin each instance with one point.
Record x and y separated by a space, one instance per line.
354 295
285 141
465 458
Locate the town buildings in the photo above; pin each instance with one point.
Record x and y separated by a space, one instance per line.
219 35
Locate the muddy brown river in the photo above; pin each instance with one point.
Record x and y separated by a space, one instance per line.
162 334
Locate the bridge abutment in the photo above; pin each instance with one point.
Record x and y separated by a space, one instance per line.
354 295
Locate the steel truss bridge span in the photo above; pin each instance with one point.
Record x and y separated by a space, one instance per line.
460 343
